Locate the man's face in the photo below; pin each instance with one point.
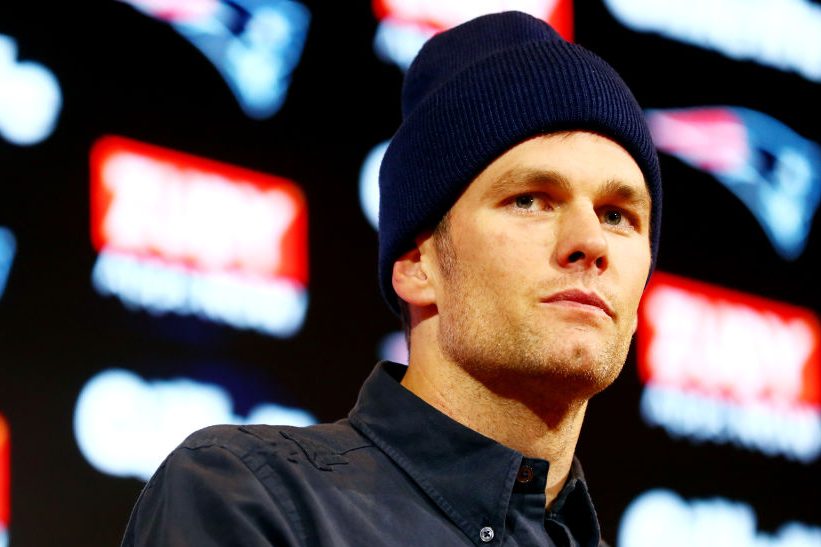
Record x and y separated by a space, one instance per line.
542 265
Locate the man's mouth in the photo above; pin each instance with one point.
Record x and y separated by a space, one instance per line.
582 299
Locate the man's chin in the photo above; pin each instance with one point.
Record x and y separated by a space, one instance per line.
582 366
578 375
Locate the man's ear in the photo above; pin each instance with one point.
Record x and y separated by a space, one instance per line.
411 279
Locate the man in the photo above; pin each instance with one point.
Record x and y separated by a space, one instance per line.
520 204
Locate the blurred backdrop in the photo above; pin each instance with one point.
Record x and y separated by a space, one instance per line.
187 237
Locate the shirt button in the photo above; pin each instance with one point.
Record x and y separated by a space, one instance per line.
525 474
486 534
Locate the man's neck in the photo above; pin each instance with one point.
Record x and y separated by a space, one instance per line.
538 427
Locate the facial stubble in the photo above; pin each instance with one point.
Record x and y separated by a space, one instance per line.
513 352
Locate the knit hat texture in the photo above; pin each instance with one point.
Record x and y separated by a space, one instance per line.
475 91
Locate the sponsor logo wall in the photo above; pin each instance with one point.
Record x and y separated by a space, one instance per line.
160 271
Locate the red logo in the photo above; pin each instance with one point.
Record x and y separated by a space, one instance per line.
439 15
190 235
157 203
729 345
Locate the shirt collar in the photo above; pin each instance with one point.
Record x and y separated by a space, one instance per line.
574 508
474 488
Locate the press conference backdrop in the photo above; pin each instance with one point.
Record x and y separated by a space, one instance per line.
187 237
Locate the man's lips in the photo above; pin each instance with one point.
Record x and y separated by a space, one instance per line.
579 296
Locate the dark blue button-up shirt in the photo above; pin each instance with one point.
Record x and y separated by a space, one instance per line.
395 472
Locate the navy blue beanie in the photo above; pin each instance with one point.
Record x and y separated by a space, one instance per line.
475 91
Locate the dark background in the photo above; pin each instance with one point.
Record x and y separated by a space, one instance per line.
127 74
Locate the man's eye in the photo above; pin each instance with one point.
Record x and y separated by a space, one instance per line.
612 217
615 217
524 202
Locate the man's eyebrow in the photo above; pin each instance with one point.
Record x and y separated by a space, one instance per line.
523 179
520 179
629 193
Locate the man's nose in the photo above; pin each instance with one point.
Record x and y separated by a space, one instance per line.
581 242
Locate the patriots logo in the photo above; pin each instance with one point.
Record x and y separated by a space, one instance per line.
254 44
773 170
